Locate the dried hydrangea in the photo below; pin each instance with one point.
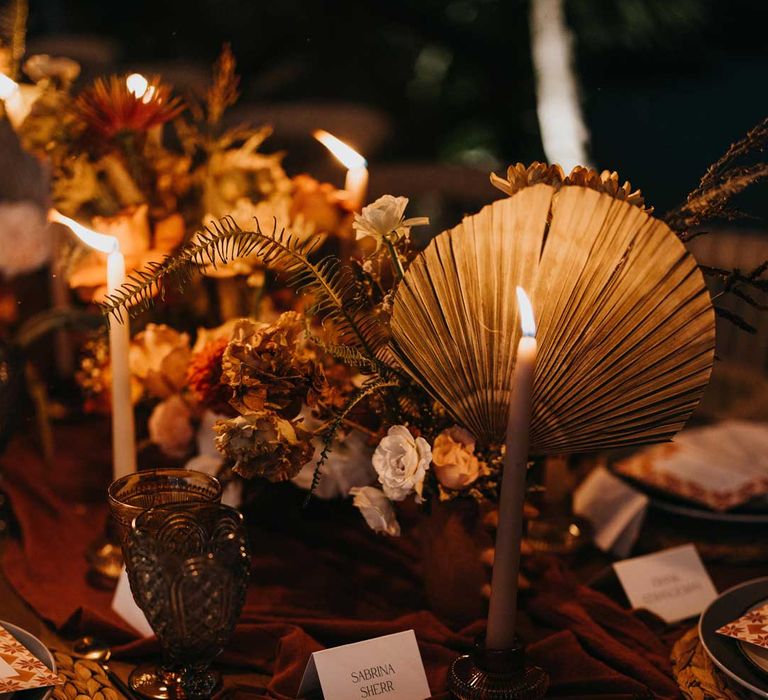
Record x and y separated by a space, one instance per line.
264 444
268 367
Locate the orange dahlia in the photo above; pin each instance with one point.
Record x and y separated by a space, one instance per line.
111 106
204 378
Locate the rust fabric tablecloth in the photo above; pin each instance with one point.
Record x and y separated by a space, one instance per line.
320 578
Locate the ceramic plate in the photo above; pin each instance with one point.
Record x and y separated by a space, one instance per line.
40 651
744 663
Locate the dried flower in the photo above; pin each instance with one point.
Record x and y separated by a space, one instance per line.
320 204
58 69
608 182
268 368
401 461
454 460
25 239
170 427
520 176
377 510
264 444
384 220
132 230
109 107
94 376
204 377
159 357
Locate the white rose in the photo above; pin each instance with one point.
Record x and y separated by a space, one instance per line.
377 509
385 218
401 461
170 427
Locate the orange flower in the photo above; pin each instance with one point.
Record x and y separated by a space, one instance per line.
132 229
204 378
109 107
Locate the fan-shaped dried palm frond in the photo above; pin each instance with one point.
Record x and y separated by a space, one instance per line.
625 324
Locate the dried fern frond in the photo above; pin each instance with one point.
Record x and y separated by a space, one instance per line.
329 434
331 286
223 91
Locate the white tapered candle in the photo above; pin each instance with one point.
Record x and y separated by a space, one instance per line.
502 612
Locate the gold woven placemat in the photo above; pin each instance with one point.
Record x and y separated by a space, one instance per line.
83 680
697 676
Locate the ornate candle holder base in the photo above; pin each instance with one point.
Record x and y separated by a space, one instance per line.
486 674
153 682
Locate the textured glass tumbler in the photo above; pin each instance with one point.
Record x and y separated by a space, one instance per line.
188 565
129 496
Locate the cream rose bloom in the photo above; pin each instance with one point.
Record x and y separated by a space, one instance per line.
377 509
170 427
159 357
385 218
401 461
453 456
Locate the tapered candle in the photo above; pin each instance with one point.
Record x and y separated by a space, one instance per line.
356 183
502 612
123 431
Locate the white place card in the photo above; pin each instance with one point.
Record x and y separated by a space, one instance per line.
672 583
388 667
125 606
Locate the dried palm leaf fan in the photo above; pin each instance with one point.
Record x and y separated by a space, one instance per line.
625 332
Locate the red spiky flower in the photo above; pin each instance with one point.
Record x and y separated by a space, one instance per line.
114 105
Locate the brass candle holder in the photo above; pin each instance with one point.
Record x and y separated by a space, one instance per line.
489 674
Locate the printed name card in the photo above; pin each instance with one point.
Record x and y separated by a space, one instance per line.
389 668
672 583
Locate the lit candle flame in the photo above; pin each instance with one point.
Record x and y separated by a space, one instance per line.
527 321
347 155
98 241
8 87
139 87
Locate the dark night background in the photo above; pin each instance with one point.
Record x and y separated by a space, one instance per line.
666 84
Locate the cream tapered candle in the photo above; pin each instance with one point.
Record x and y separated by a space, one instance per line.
123 433
502 611
356 183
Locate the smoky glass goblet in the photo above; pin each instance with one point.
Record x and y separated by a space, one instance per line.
131 495
188 566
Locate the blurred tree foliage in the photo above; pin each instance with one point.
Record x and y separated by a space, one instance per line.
664 82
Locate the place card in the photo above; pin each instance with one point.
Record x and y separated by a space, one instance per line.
125 606
751 627
19 668
388 667
672 583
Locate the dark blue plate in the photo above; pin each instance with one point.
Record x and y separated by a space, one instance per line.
725 652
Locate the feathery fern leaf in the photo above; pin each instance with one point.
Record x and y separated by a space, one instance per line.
333 288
